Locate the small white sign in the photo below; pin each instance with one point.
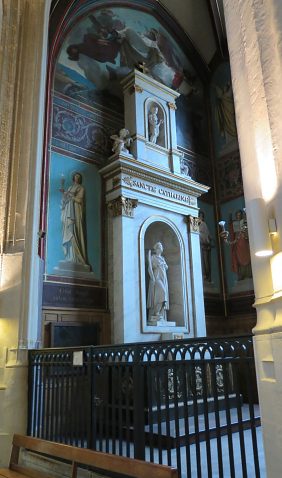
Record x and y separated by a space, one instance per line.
77 359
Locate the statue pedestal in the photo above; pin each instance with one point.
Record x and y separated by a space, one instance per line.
72 269
160 322
166 323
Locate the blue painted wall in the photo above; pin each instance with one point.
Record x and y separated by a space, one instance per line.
227 164
65 165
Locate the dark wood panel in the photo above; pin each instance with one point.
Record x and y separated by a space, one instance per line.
220 326
214 306
240 315
70 295
241 305
73 317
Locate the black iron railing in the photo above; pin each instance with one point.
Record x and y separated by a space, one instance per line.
188 403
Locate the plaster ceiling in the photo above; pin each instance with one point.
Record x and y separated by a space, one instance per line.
195 18
204 23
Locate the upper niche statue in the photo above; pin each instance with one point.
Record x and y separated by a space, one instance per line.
158 295
73 221
154 124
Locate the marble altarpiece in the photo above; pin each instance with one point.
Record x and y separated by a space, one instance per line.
154 262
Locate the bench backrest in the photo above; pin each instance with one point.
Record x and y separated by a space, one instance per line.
83 456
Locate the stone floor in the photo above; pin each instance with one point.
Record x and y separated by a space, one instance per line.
226 470
161 455
248 440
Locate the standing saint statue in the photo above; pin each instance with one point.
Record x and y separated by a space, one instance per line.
158 297
154 124
73 221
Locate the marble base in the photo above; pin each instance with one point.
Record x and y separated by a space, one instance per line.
72 269
114 156
165 323
156 321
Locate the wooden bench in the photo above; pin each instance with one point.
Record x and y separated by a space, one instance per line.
103 462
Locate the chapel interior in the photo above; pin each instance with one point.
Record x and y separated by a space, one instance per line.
140 184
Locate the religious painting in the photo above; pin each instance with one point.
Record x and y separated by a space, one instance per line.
208 243
223 111
107 43
74 235
229 175
236 247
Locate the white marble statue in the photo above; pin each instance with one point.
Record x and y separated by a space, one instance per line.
158 297
73 221
122 141
184 169
154 124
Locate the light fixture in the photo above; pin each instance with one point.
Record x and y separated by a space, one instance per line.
222 225
257 215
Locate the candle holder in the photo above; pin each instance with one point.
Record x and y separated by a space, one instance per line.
62 181
223 233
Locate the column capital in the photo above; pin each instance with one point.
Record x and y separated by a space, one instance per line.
122 206
193 224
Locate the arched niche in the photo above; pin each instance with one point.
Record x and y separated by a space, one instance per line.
156 123
158 229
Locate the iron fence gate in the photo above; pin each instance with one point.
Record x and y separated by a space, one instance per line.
187 403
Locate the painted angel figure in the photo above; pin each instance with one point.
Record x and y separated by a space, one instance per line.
122 141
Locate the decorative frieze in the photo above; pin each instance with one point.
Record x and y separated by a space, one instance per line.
122 206
139 184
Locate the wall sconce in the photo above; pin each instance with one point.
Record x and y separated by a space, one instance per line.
241 229
262 227
223 233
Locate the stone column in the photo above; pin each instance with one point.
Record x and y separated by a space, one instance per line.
196 275
22 90
254 34
122 277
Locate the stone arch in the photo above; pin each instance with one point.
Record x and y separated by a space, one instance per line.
160 229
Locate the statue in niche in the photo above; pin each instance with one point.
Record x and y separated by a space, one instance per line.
184 169
154 124
122 141
158 297
73 221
